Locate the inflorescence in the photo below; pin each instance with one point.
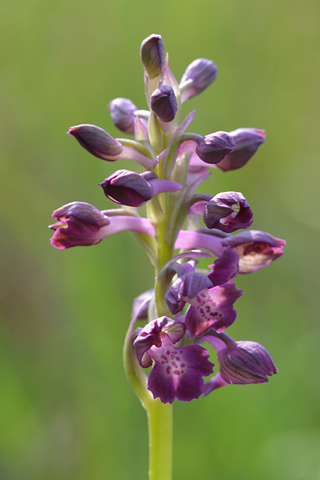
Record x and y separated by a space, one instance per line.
186 307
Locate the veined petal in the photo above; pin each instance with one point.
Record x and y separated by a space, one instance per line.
212 308
178 371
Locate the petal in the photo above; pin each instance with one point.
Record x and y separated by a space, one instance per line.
178 371
225 268
214 383
212 309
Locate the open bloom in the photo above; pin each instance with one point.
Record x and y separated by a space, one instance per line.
210 307
255 249
177 371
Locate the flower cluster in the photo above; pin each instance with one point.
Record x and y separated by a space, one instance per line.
186 307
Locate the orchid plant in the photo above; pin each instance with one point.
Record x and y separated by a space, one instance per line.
165 357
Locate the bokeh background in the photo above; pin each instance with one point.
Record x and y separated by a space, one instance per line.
66 409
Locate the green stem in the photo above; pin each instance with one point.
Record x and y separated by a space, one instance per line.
160 440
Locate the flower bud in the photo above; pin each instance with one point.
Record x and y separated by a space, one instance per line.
228 211
245 362
97 141
197 77
247 142
121 111
152 54
79 223
127 188
256 249
214 147
164 103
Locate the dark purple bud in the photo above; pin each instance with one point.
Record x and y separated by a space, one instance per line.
127 188
256 249
133 189
245 362
121 111
228 211
79 223
97 141
164 103
214 147
152 54
247 142
197 77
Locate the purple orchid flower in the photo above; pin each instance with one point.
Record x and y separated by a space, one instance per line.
255 249
133 189
210 307
82 224
177 371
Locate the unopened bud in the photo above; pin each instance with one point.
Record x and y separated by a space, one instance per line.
228 211
127 188
97 141
197 77
214 147
121 111
245 362
164 103
152 54
247 142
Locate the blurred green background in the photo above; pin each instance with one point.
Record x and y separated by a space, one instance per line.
66 409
